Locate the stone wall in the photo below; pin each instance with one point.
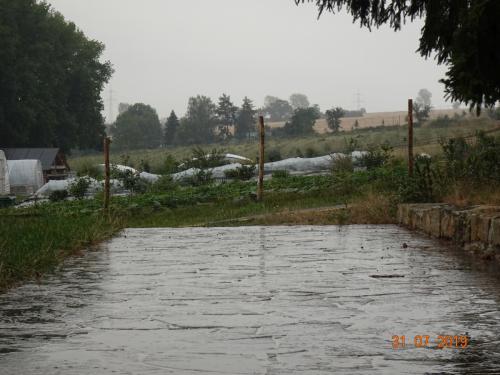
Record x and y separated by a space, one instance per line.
474 228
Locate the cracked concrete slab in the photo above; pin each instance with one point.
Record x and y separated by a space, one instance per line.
255 300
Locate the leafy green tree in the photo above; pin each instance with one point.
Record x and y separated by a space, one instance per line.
198 127
245 122
421 112
462 34
299 101
302 121
122 107
277 109
51 78
422 106
269 99
424 97
226 112
333 118
137 128
171 128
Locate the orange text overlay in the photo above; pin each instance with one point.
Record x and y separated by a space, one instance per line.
424 341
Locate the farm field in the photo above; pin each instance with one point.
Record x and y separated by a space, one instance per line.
375 119
426 140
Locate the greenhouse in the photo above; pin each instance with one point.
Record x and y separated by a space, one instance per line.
26 176
4 175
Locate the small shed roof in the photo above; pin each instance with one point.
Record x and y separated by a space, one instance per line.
46 155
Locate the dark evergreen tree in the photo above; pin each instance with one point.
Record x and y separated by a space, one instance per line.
171 127
462 34
226 112
198 127
245 122
333 117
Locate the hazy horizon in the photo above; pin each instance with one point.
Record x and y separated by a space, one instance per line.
166 51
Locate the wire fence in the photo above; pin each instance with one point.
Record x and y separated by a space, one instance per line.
470 138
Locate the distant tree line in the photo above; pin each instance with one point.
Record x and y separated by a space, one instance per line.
51 78
138 126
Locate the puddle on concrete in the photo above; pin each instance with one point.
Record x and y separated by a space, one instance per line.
254 300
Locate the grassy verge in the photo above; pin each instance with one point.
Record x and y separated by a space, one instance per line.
225 212
35 241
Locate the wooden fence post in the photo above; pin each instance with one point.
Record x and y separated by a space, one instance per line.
260 186
107 142
410 137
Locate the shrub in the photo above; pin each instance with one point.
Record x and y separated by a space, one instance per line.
88 168
351 144
442 122
163 184
130 180
311 152
202 177
342 164
376 157
344 185
201 159
428 183
125 160
273 154
476 162
144 166
245 172
58 195
79 188
169 165
389 177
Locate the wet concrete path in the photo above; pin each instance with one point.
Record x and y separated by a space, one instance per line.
253 300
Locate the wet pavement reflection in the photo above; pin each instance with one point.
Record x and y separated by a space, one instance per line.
254 300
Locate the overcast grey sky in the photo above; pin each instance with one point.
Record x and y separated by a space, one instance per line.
164 51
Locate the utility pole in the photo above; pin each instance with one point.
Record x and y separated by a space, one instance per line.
107 142
260 186
358 101
410 137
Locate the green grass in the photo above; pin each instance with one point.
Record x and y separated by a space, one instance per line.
211 214
425 140
34 241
